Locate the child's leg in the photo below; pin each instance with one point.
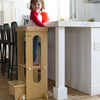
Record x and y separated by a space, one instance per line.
35 49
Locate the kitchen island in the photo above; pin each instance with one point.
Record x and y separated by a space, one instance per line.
74 56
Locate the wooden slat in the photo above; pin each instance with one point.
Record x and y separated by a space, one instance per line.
33 67
17 83
20 37
22 65
32 29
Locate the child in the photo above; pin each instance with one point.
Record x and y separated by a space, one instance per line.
36 7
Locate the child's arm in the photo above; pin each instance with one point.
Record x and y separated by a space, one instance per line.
35 19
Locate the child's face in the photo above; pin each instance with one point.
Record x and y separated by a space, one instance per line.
37 6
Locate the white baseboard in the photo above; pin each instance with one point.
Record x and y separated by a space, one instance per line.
83 87
95 90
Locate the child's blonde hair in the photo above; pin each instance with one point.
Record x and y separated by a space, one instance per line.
35 1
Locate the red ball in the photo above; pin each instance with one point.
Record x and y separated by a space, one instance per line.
45 17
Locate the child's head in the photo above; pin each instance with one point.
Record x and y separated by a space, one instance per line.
37 5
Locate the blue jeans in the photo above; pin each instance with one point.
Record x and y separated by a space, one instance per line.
35 48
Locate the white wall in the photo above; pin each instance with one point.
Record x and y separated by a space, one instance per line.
51 8
58 9
21 9
7 11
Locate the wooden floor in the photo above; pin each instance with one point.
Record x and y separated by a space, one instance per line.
72 94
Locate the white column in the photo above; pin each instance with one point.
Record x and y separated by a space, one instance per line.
60 91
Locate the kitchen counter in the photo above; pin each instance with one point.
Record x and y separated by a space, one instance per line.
73 24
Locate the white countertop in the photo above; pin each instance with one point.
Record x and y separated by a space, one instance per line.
73 24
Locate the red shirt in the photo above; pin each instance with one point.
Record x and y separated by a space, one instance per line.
33 16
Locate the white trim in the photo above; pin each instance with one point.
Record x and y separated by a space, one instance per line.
81 86
84 87
95 90
60 93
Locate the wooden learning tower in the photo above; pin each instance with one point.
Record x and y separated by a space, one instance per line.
27 87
